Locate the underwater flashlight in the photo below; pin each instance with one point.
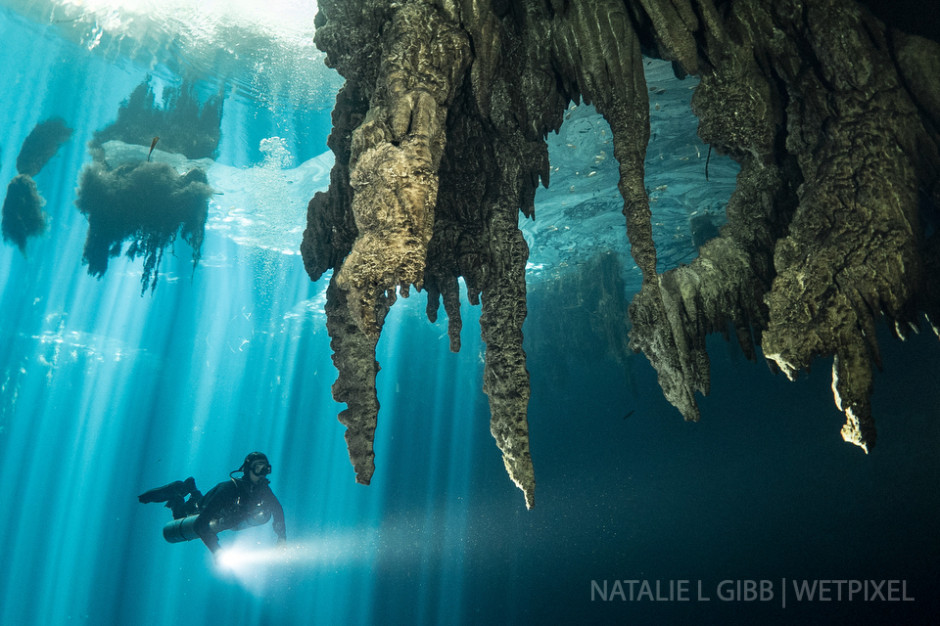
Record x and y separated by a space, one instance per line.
230 558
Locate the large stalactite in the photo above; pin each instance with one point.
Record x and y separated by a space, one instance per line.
439 136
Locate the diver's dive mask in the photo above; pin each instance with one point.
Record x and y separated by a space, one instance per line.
261 468
255 462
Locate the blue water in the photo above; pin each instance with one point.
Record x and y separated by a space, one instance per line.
104 393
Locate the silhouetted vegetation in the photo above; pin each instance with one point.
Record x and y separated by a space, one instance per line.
145 204
149 204
183 124
22 212
22 207
41 145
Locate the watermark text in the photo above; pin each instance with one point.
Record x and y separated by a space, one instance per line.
782 591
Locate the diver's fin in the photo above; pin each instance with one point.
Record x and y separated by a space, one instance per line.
176 489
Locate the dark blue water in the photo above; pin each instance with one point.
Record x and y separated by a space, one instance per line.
104 393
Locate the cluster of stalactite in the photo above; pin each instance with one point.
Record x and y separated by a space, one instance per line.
834 120
439 136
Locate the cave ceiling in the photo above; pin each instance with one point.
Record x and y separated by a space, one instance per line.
439 137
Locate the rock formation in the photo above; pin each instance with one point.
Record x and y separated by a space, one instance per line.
439 142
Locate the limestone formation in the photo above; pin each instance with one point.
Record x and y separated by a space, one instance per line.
439 137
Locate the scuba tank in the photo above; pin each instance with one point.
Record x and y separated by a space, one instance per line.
184 529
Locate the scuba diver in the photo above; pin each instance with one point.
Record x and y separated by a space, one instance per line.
231 505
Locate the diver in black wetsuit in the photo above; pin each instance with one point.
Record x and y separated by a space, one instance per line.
231 505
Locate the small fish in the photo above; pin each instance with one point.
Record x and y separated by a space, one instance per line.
629 413
153 144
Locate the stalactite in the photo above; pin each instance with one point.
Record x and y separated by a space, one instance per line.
600 51
394 155
505 378
354 358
